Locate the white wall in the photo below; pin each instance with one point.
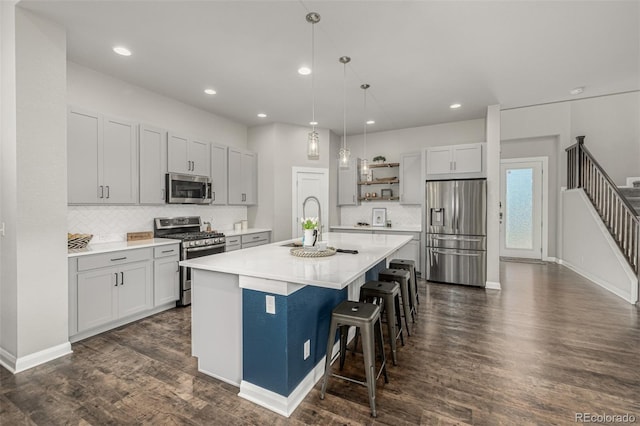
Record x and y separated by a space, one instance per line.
8 202
541 147
493 196
35 156
280 147
590 250
610 124
391 144
99 92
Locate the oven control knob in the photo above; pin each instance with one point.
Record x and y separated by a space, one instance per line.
216 240
198 243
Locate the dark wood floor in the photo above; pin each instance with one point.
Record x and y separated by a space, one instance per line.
547 346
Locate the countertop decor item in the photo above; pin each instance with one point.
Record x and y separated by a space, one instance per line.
137 236
379 217
78 241
379 159
303 252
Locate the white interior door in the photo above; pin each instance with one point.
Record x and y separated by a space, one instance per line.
309 182
521 222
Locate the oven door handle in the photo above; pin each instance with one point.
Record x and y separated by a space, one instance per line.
191 250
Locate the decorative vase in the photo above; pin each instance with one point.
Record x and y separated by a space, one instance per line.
309 237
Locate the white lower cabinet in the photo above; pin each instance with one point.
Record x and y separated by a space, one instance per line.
166 273
107 290
252 239
112 293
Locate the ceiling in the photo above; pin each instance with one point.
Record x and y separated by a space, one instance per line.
418 56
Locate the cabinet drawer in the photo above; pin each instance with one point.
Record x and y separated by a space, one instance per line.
113 258
164 251
254 244
232 247
252 238
232 241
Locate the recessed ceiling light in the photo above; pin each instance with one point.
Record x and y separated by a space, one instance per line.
313 123
304 71
210 91
371 122
120 50
576 91
262 115
455 106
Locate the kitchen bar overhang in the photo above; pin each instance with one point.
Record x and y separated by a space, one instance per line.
255 310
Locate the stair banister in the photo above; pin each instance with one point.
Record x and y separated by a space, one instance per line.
618 215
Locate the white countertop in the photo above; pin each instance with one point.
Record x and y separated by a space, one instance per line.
274 262
98 248
379 228
232 233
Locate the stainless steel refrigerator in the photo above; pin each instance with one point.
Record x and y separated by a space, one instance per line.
456 231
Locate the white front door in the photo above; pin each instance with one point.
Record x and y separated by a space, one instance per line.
309 182
521 224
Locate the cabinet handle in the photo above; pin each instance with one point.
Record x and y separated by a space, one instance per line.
454 165
213 196
162 194
118 258
256 238
167 251
116 274
101 191
121 278
107 191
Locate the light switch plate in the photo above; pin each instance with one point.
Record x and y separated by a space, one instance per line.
271 304
307 349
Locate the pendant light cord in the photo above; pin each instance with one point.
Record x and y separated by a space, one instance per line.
344 109
365 123
313 71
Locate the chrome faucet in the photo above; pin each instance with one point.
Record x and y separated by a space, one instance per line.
304 204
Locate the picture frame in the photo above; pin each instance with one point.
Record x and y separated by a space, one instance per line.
386 193
379 217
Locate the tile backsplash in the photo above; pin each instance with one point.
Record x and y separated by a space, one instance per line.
399 215
111 223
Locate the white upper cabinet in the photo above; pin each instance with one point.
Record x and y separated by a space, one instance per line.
218 174
187 156
242 177
348 183
455 161
102 159
84 139
411 185
153 164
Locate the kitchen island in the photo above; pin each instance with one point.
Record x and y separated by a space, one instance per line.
260 316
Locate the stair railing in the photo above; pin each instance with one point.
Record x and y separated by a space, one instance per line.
620 218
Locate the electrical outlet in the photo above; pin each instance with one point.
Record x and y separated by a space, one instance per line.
307 349
270 304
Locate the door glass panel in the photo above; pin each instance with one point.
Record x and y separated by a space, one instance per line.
519 209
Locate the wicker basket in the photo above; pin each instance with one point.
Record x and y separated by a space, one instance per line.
78 241
302 252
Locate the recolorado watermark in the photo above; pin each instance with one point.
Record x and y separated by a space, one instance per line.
604 418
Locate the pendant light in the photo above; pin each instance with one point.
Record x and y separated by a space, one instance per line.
313 140
344 155
365 162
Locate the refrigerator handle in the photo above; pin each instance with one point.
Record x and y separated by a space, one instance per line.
457 207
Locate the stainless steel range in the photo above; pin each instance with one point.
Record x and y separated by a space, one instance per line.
195 243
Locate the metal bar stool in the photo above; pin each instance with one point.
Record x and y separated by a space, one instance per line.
365 316
409 265
388 293
403 278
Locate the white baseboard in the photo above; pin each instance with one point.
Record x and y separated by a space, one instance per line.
492 285
631 298
17 365
551 259
7 360
285 405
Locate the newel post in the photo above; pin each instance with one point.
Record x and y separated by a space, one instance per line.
580 142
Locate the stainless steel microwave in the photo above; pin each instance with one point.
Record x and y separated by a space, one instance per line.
188 189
